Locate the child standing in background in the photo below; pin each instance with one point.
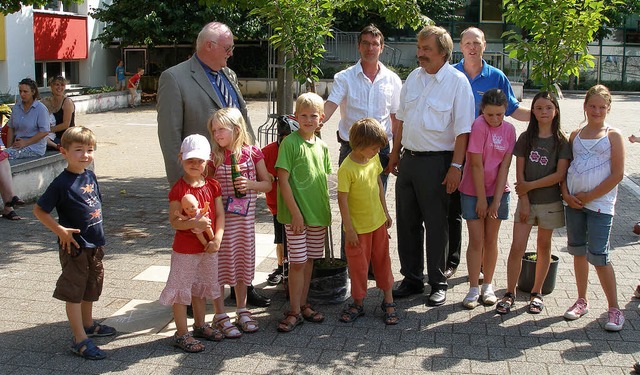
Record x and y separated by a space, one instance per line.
590 193
237 255
120 86
134 81
484 192
75 194
303 205
366 219
194 266
542 158
270 151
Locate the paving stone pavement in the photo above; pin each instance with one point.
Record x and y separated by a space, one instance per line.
34 334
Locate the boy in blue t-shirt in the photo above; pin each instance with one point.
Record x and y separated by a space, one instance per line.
75 195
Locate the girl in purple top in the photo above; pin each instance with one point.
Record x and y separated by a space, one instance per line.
542 157
484 193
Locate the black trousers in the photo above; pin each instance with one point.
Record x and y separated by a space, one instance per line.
422 207
455 231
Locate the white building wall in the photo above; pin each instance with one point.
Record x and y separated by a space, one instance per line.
95 69
20 50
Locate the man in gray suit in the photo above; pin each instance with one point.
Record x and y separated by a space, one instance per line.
188 93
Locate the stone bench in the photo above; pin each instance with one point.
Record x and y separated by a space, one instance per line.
32 176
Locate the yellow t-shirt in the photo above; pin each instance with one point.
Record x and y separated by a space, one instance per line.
361 182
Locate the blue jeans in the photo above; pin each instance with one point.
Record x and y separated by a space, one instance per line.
588 234
468 203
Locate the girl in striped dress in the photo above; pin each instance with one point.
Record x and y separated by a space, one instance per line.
236 258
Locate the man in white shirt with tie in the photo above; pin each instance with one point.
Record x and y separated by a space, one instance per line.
188 93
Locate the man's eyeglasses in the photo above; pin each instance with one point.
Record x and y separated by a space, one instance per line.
365 43
226 49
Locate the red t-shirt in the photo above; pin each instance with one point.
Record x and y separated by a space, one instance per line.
185 241
270 152
133 81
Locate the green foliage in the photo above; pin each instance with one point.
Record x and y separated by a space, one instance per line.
142 22
97 90
554 37
299 27
616 13
12 6
402 71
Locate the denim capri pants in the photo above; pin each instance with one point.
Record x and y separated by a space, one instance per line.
588 234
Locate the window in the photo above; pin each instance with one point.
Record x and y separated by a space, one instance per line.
49 69
491 11
61 6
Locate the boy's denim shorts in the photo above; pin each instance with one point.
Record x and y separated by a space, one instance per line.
588 234
468 203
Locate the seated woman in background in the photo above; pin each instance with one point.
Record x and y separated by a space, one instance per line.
6 190
28 125
63 108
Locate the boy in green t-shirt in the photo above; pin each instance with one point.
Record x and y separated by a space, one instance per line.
303 205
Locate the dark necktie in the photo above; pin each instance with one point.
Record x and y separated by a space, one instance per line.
224 92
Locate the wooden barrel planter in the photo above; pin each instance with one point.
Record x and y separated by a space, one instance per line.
528 274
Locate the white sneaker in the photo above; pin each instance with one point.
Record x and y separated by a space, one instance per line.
616 320
471 300
488 296
578 309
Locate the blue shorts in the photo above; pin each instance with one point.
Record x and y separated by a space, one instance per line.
588 234
468 203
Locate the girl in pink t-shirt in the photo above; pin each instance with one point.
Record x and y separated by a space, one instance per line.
484 193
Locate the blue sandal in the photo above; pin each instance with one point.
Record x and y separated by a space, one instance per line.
390 318
352 313
99 330
91 351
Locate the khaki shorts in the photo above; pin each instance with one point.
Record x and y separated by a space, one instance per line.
546 215
82 276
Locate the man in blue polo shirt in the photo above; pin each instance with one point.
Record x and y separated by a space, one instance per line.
482 77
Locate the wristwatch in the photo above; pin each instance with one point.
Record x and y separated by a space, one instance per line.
456 165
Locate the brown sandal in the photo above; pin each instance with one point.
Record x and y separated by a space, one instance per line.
314 316
207 332
286 325
230 331
244 326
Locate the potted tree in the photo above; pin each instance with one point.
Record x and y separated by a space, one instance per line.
330 278
528 273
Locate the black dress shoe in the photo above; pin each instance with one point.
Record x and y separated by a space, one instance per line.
437 297
449 272
255 299
407 288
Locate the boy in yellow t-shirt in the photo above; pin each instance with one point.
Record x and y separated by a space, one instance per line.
365 218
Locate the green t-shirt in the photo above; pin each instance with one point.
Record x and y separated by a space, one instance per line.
542 161
308 165
361 182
